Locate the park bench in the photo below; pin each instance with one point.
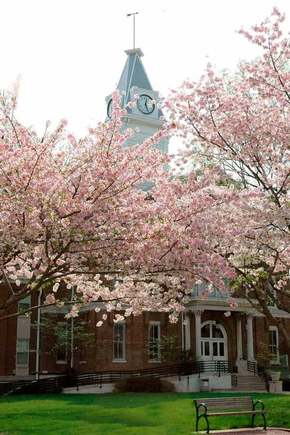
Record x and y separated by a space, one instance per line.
222 406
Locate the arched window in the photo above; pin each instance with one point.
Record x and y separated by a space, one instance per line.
213 341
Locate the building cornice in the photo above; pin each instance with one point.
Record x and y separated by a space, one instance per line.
243 306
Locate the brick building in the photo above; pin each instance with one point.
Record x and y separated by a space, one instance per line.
203 332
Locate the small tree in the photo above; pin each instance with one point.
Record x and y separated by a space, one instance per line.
170 350
69 337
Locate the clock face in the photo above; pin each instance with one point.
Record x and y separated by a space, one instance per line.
110 108
146 104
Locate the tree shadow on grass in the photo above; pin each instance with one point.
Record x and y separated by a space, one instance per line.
74 420
64 414
123 400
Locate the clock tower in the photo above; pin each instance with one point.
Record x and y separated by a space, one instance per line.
145 117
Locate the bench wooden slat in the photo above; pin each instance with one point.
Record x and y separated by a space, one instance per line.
224 399
212 399
227 402
249 403
260 411
229 406
221 403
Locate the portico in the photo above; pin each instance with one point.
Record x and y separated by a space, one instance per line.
223 338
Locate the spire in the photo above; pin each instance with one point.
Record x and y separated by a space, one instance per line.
134 73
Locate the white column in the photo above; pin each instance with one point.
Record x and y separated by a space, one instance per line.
186 339
239 341
250 339
197 334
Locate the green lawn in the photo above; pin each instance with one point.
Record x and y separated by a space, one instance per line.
139 414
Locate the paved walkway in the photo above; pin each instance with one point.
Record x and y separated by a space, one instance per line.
250 431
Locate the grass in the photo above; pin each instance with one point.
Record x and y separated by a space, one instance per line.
122 414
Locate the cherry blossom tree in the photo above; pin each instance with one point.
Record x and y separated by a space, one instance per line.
239 124
73 216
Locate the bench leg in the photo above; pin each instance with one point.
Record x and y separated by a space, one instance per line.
196 424
253 420
207 423
264 420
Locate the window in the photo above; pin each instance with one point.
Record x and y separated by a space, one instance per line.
62 336
61 352
216 332
22 351
205 331
205 348
119 341
202 289
272 297
154 341
24 304
274 344
284 360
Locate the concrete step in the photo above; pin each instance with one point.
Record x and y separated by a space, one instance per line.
250 390
248 383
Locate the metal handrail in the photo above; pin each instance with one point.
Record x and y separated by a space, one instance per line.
56 383
254 367
182 369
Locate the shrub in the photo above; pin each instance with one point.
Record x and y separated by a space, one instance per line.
144 385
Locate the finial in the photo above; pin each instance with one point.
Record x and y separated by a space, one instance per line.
133 14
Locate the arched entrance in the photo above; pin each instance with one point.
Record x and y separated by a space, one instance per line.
214 343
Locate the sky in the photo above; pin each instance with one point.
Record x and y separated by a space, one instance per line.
68 55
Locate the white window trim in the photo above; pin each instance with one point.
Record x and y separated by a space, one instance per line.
28 301
120 360
152 323
277 359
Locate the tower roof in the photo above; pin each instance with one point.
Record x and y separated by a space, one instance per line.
134 73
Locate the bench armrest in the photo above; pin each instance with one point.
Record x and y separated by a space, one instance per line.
260 403
204 406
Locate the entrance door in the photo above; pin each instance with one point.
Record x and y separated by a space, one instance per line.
213 342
